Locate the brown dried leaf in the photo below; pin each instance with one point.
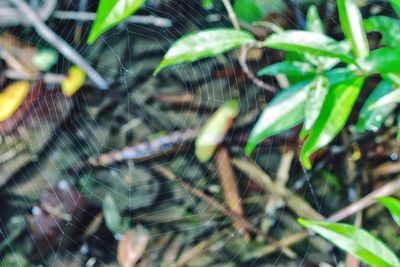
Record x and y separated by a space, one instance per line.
132 246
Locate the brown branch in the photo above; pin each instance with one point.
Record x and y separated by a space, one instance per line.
62 46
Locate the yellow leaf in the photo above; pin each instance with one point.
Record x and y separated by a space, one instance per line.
11 98
215 129
74 81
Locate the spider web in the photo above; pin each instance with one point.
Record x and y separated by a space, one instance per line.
91 129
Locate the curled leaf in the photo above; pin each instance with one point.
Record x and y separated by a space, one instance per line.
74 81
11 98
215 129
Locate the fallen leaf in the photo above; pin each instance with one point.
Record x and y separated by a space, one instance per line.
215 129
74 81
11 98
132 246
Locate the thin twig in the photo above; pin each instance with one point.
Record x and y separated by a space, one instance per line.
231 14
48 77
136 19
386 190
244 50
243 63
229 185
295 202
62 46
220 208
193 252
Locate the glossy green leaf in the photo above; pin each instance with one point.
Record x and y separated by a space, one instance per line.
314 22
333 117
383 60
308 42
352 25
252 11
388 27
111 214
372 120
110 13
393 78
247 10
317 92
355 241
396 6
215 129
285 111
393 97
339 75
203 44
288 68
393 205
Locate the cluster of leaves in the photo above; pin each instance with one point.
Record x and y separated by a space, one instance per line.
359 242
324 96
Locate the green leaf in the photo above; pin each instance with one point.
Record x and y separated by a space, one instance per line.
110 13
294 68
388 99
393 205
215 129
308 42
247 10
351 21
254 10
314 22
355 241
372 120
285 111
398 128
334 114
203 44
207 3
388 27
111 214
396 6
317 92
393 78
383 61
